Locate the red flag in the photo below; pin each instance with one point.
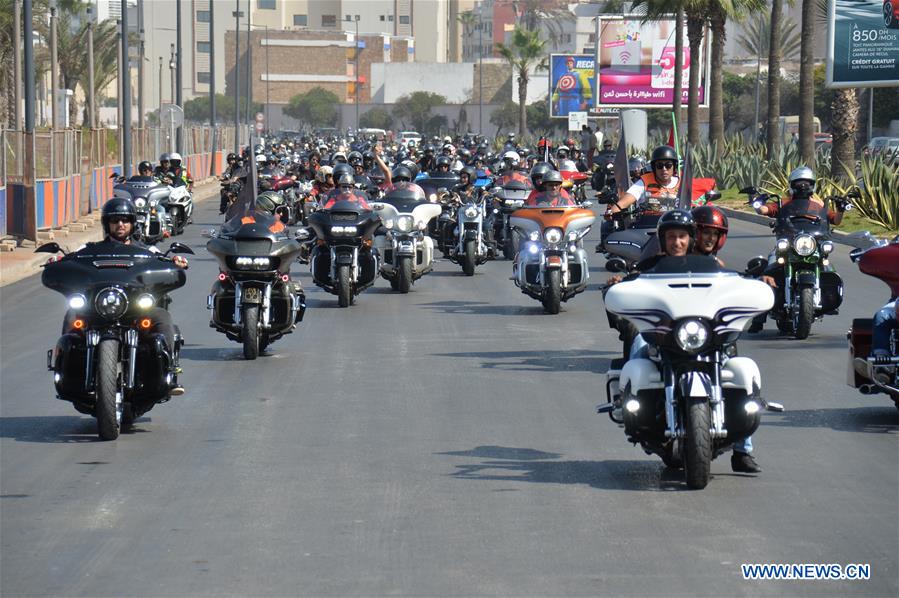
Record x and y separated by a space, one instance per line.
671 137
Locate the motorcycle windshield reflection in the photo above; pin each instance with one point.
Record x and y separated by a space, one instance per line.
254 225
405 199
692 264
802 216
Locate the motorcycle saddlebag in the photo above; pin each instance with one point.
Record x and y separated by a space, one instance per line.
831 291
69 363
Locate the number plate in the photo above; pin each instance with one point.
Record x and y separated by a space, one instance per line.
251 295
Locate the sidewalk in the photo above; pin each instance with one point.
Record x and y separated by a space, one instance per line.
21 262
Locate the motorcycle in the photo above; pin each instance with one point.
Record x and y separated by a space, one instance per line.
551 265
254 301
506 200
807 286
149 198
180 208
461 231
407 251
686 397
343 261
112 362
875 375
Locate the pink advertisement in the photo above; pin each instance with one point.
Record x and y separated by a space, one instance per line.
635 64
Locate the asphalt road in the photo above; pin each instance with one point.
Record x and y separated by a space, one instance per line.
438 443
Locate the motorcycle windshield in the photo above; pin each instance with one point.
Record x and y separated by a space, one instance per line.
433 182
142 187
692 264
802 216
252 226
405 200
107 263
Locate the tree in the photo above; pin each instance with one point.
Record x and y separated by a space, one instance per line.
317 107
772 138
757 38
550 15
376 118
525 52
807 84
506 116
415 109
198 109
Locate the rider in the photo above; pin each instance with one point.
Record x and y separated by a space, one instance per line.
443 166
162 171
553 195
266 203
180 172
324 181
466 187
661 182
144 169
802 188
346 191
510 172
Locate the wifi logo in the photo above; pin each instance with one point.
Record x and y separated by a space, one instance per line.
625 57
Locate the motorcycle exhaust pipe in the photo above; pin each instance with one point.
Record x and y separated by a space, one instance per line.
616 264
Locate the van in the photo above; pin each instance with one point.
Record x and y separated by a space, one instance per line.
378 134
406 136
789 127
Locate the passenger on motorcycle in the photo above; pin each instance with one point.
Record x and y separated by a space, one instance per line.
180 173
162 171
552 195
661 182
324 181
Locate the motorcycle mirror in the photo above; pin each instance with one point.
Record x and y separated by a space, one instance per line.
856 253
51 247
749 190
713 195
303 233
377 206
756 266
179 248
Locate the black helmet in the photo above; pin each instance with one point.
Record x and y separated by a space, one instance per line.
354 158
553 176
342 168
231 156
118 206
464 155
412 166
401 173
636 166
472 173
664 152
540 169
368 158
444 161
680 219
144 166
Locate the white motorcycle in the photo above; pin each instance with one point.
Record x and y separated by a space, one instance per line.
406 249
181 208
685 395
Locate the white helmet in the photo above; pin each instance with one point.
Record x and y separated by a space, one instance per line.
175 157
447 139
323 172
512 158
260 159
803 173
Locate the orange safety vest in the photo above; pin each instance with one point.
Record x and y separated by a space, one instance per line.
654 189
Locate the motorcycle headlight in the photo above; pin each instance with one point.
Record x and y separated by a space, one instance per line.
432 198
140 202
782 244
349 230
336 230
572 236
534 236
388 223
826 247
691 335
111 303
804 245
471 212
77 301
146 301
153 203
404 224
553 235
253 263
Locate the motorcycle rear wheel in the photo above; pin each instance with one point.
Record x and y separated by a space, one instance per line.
469 257
109 418
805 314
404 274
698 443
344 288
250 331
552 292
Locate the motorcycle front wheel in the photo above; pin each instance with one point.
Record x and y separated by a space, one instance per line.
177 220
250 331
404 275
344 288
109 416
469 257
698 443
805 313
552 292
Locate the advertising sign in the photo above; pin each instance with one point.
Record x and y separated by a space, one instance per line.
635 63
571 81
576 120
863 43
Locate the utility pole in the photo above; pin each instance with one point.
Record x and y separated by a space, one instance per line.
179 72
17 43
356 70
54 73
172 67
91 100
140 67
30 229
481 76
237 77
267 82
212 115
160 89
249 62
126 95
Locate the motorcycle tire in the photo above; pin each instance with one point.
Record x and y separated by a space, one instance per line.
177 221
698 443
469 257
344 288
805 314
250 331
109 416
508 248
404 275
552 292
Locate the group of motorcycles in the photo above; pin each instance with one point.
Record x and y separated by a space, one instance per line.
164 207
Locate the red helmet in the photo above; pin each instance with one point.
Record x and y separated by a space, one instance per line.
712 217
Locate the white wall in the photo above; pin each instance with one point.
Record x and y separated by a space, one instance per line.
391 80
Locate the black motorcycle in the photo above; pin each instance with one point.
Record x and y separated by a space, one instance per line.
150 200
345 264
114 360
506 199
254 301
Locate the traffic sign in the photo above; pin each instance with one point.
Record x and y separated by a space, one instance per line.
171 115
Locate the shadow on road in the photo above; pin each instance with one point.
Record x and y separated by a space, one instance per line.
507 464
50 429
546 361
232 353
877 420
482 308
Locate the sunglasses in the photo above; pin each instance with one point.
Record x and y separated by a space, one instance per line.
665 165
119 219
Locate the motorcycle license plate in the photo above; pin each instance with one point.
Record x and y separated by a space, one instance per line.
553 261
405 247
251 295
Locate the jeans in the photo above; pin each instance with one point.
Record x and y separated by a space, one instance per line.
639 351
884 324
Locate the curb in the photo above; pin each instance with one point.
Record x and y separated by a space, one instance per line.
836 236
22 262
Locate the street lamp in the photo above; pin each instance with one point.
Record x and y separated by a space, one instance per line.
172 66
356 69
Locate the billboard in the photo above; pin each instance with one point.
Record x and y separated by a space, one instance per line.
863 43
635 63
571 81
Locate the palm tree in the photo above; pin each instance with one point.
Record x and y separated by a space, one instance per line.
758 36
807 84
551 15
772 138
525 52
678 64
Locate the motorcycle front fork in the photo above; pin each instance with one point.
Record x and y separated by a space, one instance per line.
674 420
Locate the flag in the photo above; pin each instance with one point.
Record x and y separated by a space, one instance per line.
246 199
622 178
671 136
685 193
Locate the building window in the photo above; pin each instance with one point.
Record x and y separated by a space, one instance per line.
404 19
390 18
329 20
300 20
202 16
203 78
203 47
591 39
349 18
267 4
382 17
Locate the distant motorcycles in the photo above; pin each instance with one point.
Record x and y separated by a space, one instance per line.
254 301
343 261
407 251
112 362
149 199
875 374
686 397
181 208
807 287
551 265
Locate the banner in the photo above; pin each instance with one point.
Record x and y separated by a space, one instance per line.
863 43
635 63
571 81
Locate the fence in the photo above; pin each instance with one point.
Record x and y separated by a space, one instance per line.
72 170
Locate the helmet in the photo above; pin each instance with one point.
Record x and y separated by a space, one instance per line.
447 139
258 149
354 158
711 217
412 166
675 219
540 169
368 158
429 149
636 166
346 179
562 152
338 157
268 201
464 155
323 173
401 173
802 178
165 157
552 176
663 152
341 169
449 147
175 159
118 206
144 166
231 156
511 158
444 161
471 172
260 159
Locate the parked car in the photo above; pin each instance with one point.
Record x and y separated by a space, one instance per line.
406 136
891 13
